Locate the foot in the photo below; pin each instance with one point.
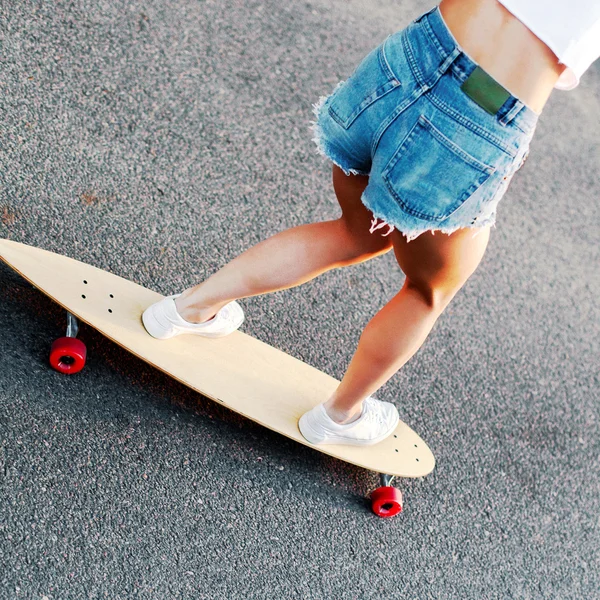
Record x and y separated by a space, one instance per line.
377 421
162 320
193 315
342 417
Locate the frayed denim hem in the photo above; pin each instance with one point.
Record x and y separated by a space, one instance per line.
412 228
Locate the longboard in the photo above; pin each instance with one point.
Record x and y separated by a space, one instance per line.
238 371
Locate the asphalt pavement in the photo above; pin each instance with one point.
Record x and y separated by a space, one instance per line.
159 139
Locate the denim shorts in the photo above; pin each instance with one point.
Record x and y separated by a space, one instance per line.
437 160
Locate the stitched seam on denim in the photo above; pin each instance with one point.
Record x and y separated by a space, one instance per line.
328 149
514 123
528 126
385 65
408 102
411 60
433 37
468 124
428 217
447 60
397 112
335 116
519 128
445 66
465 156
380 92
517 111
396 156
392 81
509 116
501 182
411 211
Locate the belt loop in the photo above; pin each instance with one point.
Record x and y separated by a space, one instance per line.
511 113
449 60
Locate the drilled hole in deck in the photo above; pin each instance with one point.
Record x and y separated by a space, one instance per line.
111 295
84 281
110 310
83 296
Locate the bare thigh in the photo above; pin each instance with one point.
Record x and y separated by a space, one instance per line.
436 264
355 215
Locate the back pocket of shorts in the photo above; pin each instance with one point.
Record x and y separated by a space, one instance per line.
430 176
371 80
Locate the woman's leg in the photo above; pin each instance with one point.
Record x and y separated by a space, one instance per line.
291 257
436 267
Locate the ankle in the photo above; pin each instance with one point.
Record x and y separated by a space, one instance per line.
192 313
343 416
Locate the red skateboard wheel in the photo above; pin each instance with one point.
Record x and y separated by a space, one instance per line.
386 501
67 355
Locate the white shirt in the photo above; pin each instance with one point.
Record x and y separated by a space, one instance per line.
571 29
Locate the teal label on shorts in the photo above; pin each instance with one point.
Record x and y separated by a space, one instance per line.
485 90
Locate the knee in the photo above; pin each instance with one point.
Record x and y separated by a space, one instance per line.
434 295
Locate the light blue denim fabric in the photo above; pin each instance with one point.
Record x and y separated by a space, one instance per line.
436 160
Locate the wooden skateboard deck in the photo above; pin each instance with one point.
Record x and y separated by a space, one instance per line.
244 374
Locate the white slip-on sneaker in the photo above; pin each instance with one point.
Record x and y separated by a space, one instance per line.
162 320
377 421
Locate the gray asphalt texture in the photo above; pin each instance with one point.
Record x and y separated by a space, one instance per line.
158 140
